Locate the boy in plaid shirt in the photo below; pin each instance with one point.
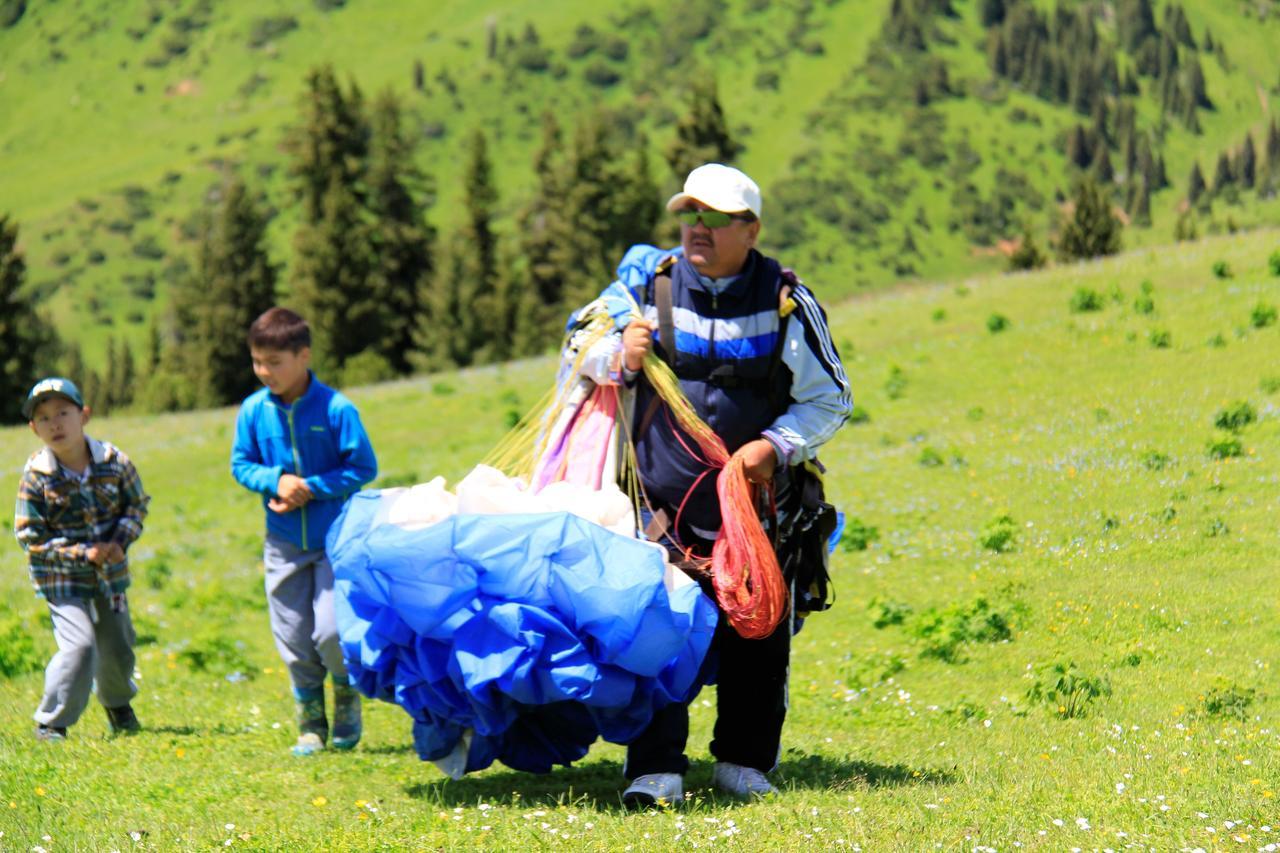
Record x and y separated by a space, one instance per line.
80 506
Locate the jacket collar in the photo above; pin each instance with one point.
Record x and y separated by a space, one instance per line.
312 382
46 462
738 285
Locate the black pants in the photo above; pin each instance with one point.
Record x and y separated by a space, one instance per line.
751 705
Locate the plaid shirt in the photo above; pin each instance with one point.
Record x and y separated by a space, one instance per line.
58 517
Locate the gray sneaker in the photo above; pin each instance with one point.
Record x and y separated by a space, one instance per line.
654 789
741 781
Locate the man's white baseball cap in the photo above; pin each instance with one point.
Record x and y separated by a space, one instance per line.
721 188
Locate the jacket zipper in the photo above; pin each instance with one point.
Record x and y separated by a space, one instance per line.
297 464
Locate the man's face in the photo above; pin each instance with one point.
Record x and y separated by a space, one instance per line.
283 371
59 423
717 252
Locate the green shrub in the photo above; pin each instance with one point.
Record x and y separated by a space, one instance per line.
873 669
1236 417
859 415
946 631
1221 269
157 572
998 535
997 323
939 314
600 74
1085 299
888 613
1067 689
1216 528
11 11
1144 304
442 389
1218 341
1226 699
18 654
1269 384
398 480
1225 447
931 458
896 384
858 535
1160 338
1263 314
1273 262
1154 460
264 30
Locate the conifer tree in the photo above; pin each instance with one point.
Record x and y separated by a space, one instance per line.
1102 169
27 340
1141 211
232 281
1223 176
1135 23
1246 167
993 12
1195 184
1093 229
1027 255
402 239
702 133
1078 152
331 141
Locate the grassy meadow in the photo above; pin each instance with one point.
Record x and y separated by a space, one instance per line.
121 119
1055 625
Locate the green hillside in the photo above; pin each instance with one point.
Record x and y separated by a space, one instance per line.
119 117
1088 485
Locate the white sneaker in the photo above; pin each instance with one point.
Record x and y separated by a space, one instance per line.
741 781
654 789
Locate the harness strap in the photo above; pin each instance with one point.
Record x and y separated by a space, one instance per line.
666 345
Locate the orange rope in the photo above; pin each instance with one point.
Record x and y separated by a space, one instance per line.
744 568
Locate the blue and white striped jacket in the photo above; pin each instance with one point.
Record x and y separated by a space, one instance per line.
730 328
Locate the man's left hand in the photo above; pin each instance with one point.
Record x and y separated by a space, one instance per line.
759 460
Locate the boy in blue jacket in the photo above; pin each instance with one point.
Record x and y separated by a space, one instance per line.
300 444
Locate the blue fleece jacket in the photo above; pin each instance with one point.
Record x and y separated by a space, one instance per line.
319 438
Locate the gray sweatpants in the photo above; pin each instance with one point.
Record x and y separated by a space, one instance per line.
300 600
95 643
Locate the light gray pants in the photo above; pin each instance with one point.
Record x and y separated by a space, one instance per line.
300 600
95 643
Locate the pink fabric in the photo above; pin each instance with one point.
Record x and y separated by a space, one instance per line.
578 454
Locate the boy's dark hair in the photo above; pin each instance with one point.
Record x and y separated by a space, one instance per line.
279 329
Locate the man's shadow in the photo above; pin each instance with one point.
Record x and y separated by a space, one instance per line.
598 785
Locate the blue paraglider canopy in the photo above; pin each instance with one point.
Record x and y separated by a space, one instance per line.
520 638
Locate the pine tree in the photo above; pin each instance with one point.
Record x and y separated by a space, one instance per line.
1195 185
330 143
1175 20
1141 211
230 284
1093 229
1246 167
402 239
702 133
1102 169
1078 150
1135 23
27 341
1027 255
1195 89
1223 176
333 264
993 12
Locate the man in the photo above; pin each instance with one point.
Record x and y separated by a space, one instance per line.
770 383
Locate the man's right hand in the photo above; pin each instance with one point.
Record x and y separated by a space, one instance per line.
101 553
637 342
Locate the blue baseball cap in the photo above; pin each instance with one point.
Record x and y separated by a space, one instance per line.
54 386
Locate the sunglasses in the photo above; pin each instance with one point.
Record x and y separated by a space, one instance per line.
709 218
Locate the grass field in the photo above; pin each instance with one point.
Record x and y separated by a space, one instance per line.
1133 560
120 117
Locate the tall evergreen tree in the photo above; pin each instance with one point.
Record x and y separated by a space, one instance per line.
702 133
27 340
469 317
1246 167
1093 229
331 141
1079 152
992 12
398 194
1223 176
1195 184
1135 23
1141 211
333 266
232 281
